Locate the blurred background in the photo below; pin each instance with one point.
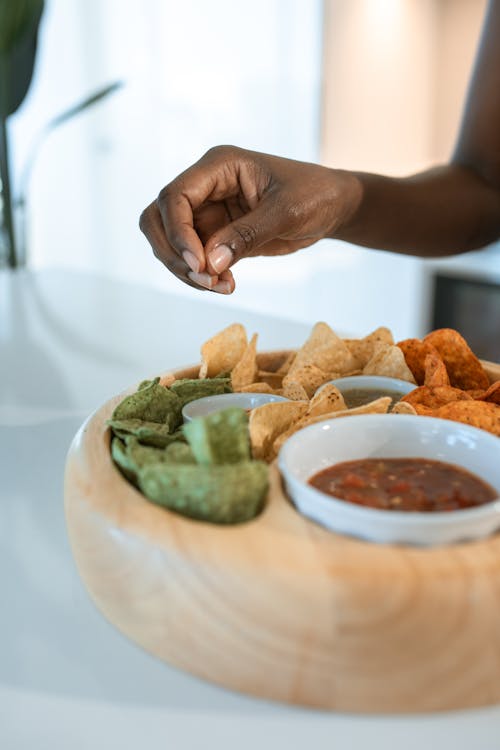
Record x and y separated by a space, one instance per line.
376 85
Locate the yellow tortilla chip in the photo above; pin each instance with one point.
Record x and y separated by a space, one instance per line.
256 388
309 377
294 391
284 368
223 351
390 362
363 349
270 420
273 379
403 407
326 400
379 406
245 370
326 350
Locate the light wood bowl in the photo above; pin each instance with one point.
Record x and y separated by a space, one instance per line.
279 607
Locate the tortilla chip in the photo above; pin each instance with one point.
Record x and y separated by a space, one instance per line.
223 351
415 352
379 406
294 392
480 414
245 370
327 399
285 366
191 390
326 350
492 394
389 361
364 349
309 377
273 379
403 407
270 420
218 494
464 368
220 437
256 388
435 370
426 399
151 403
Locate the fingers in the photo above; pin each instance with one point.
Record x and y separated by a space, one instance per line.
244 236
152 226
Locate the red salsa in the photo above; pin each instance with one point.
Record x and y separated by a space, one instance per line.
407 484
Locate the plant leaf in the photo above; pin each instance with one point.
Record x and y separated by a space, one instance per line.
19 23
89 101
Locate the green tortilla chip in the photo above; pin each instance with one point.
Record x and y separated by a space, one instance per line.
218 494
131 456
190 390
179 453
152 403
219 438
147 433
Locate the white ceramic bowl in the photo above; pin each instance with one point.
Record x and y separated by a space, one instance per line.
209 404
392 436
373 382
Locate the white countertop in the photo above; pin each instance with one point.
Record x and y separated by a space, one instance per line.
68 679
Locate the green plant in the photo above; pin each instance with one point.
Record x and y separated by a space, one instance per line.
19 25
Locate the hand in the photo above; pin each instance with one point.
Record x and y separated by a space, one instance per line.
234 204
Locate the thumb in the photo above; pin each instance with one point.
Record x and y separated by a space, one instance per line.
243 236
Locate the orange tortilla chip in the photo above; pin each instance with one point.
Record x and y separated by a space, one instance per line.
222 352
389 361
492 394
326 350
270 420
426 399
363 349
435 370
480 414
464 368
415 352
245 370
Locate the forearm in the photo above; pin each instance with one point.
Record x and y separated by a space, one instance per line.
444 211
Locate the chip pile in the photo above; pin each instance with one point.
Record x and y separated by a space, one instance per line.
214 468
453 384
203 469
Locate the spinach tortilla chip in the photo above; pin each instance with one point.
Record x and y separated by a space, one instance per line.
227 494
131 456
151 403
219 438
190 390
147 433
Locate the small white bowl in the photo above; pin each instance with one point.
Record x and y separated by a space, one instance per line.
209 404
373 382
392 436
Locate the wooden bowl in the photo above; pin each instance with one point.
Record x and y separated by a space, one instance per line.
279 607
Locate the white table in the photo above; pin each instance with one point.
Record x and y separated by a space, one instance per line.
68 679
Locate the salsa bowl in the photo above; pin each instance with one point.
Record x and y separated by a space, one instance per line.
392 436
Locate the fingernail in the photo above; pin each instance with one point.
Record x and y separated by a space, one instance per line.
191 260
220 258
223 287
203 279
